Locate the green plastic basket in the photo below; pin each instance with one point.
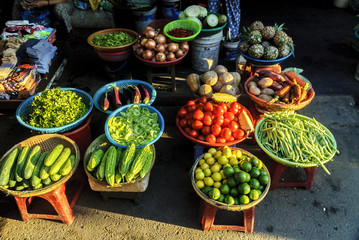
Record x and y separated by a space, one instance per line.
185 24
284 161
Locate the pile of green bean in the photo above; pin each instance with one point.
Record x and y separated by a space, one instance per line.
287 136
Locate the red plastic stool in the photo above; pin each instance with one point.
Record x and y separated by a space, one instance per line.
209 213
57 198
277 170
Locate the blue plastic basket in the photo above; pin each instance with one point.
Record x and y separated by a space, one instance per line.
115 113
23 111
121 84
264 62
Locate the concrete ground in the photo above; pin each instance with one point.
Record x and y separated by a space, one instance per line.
169 208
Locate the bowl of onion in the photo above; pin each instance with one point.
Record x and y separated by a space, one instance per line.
156 50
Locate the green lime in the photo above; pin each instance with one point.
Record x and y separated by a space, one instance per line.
236 201
254 161
221 198
234 192
263 179
260 165
228 171
222 160
237 153
231 182
259 192
236 169
263 171
246 166
244 199
217 184
242 177
229 200
200 184
226 165
225 189
214 193
233 161
200 176
261 188
207 172
254 194
208 181
206 189
254 183
255 172
244 188
217 177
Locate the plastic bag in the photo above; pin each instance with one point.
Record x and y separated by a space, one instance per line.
36 16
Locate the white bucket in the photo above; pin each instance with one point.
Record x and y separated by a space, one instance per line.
143 18
205 51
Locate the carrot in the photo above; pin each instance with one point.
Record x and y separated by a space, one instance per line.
285 99
295 78
276 86
297 91
303 96
283 91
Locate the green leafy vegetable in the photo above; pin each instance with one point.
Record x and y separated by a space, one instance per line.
112 39
55 108
137 125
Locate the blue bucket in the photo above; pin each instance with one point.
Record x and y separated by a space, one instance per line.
143 18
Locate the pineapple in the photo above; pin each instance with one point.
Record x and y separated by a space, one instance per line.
284 50
265 44
280 37
270 53
255 37
256 51
257 25
268 32
243 47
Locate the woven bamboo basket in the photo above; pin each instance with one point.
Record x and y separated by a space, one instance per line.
137 185
221 205
47 142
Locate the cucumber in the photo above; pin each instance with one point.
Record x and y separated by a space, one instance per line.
6 167
21 162
55 177
31 161
222 19
111 166
38 186
55 167
44 172
54 154
12 180
94 160
19 188
118 177
47 181
26 183
211 20
100 172
35 178
67 166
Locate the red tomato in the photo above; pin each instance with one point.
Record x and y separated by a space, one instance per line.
224 106
201 138
233 126
183 122
189 116
231 139
229 115
187 130
226 133
182 113
221 140
218 111
209 113
193 133
206 130
207 120
198 114
226 122
197 124
190 103
189 122
235 108
216 129
191 108
200 106
239 134
218 120
208 106
203 100
211 138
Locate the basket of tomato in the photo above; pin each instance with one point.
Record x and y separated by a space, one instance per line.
210 123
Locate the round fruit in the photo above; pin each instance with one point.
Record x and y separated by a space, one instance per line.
246 166
200 175
244 188
237 153
236 169
242 177
210 161
261 188
234 192
254 183
244 199
206 189
228 171
227 152
208 181
217 177
255 172
211 138
217 184
221 198
212 151
207 155
225 189
254 194
214 193
222 160
229 200
215 168
233 161
263 179
204 166
217 155
198 169
236 201
200 184
231 182
207 172
200 162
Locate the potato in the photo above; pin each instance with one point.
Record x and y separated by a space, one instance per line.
220 68
229 89
205 90
252 83
236 78
265 82
267 91
265 97
209 78
193 82
216 87
254 90
225 78
238 91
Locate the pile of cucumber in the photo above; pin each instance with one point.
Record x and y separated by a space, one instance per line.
117 165
200 15
31 169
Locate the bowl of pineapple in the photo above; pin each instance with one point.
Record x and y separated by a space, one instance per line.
265 45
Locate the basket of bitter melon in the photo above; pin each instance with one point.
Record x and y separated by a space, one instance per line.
115 169
38 165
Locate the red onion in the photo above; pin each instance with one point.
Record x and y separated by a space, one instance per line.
160 57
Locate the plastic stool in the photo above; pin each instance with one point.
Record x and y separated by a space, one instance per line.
209 213
57 198
277 170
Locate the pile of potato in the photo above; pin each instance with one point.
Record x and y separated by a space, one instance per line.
217 80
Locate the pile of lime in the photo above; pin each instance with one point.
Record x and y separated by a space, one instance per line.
231 176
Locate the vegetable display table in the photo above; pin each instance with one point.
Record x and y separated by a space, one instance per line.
171 72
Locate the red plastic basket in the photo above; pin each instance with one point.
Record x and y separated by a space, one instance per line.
195 140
